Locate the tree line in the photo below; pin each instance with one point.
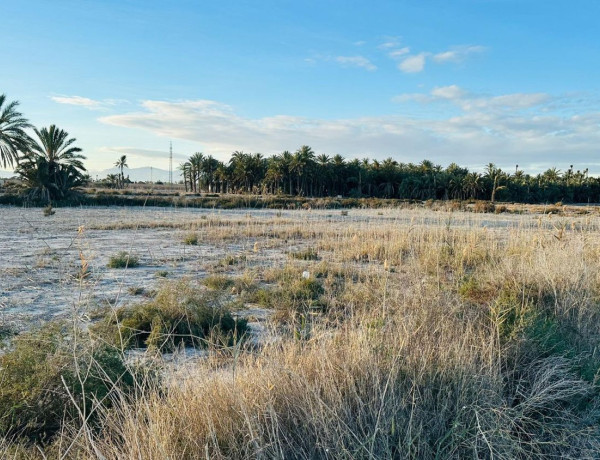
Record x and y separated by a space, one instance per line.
306 174
51 166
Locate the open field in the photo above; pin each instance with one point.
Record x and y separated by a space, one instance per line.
376 333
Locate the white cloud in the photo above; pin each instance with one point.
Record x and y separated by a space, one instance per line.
77 100
416 63
504 129
457 53
448 92
399 52
356 61
480 103
86 102
390 42
413 64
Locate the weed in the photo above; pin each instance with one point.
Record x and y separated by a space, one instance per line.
179 314
191 239
306 254
484 206
230 259
49 211
123 260
218 282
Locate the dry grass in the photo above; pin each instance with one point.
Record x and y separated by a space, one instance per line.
438 335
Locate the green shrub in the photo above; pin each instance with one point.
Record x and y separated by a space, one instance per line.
179 314
39 372
293 297
218 282
123 260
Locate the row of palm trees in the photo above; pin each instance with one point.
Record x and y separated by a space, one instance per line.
50 166
305 173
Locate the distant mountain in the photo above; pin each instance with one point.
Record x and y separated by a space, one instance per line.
143 174
7 174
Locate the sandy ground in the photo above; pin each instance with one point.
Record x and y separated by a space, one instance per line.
41 257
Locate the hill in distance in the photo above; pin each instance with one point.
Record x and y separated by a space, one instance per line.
143 174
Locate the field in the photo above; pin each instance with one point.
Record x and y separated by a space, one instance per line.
381 333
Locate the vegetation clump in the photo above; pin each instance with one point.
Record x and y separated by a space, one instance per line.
306 254
218 282
191 239
123 259
49 374
49 211
179 314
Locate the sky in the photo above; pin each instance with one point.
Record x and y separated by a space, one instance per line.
466 81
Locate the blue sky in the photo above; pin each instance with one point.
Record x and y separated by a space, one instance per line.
470 81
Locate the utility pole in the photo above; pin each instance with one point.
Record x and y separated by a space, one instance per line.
170 163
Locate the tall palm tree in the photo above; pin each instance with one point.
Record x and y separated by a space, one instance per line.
196 161
52 166
303 159
286 161
56 148
13 138
185 169
122 163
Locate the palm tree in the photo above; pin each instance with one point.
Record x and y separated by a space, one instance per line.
52 166
303 159
472 184
494 175
13 138
196 161
185 169
122 163
286 161
324 163
55 146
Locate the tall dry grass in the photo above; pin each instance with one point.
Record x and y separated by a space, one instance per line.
444 336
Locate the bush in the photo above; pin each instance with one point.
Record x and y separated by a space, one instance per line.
484 206
41 370
180 314
191 239
292 298
123 260
218 282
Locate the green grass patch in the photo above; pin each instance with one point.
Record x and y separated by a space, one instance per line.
44 369
123 260
180 314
